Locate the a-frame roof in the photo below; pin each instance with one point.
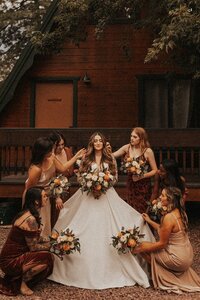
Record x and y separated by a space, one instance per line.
25 61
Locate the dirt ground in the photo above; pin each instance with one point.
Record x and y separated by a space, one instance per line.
49 290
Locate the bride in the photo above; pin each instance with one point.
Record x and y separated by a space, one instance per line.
94 221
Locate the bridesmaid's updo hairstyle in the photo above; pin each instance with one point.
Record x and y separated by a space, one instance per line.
41 147
175 200
144 143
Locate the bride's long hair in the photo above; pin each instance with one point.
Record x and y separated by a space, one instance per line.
90 155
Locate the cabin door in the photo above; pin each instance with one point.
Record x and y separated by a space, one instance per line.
54 105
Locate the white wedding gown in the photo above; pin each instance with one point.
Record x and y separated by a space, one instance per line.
95 221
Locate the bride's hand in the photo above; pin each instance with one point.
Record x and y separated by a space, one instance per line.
59 203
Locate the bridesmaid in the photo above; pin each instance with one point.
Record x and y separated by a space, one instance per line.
171 256
25 258
63 155
139 186
44 166
169 175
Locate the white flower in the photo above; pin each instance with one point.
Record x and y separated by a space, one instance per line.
105 166
159 205
69 238
89 176
78 162
123 238
119 245
89 184
94 177
105 183
94 166
100 179
101 174
58 190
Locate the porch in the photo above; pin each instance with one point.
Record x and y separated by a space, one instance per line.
16 143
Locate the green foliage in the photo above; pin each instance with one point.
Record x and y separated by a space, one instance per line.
174 23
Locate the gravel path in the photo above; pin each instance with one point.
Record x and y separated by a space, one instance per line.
49 290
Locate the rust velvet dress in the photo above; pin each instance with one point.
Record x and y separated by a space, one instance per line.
15 255
139 192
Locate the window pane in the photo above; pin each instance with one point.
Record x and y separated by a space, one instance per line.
156 103
181 101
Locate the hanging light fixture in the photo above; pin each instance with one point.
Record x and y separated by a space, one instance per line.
86 78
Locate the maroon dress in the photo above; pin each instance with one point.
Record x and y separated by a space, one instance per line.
139 192
15 255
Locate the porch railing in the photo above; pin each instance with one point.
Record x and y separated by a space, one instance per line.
182 145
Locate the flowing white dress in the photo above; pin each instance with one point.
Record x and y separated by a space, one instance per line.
95 221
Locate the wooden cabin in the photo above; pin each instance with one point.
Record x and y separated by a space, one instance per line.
102 84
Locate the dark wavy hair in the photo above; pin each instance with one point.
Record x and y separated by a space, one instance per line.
174 196
41 147
173 174
56 137
33 201
90 155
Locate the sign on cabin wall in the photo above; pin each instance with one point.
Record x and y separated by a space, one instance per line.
54 105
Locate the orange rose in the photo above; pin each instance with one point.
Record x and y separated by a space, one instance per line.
131 243
129 159
66 247
57 181
98 187
106 177
54 235
132 169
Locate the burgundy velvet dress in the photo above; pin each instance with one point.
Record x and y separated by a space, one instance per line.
139 192
15 255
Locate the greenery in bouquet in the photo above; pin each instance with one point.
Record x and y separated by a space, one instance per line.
155 209
96 181
58 185
64 243
127 239
130 165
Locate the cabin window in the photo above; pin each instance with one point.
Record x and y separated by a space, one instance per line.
169 103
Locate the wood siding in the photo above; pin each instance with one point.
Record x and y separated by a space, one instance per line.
112 63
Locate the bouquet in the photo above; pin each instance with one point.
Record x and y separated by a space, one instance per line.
127 239
156 210
131 165
96 181
58 185
63 243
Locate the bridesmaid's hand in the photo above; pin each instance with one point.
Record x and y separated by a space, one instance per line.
80 153
146 217
59 203
108 147
135 178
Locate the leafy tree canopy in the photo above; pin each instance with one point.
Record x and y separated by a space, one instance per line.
175 24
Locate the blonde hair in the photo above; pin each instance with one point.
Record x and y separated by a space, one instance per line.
144 143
